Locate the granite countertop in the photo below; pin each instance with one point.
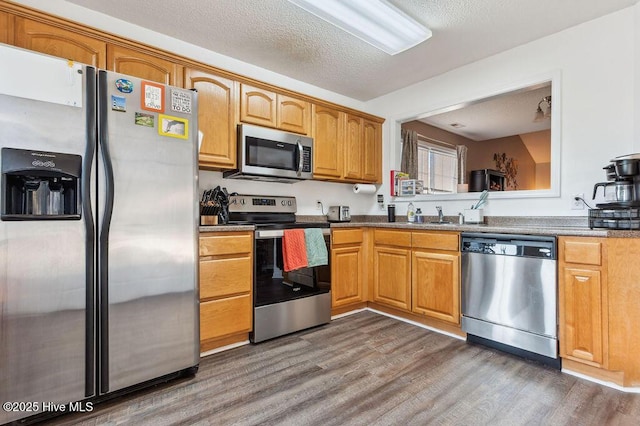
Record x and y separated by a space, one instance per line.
548 225
545 225
226 228
501 229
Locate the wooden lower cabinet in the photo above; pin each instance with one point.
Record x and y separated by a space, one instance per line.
623 301
226 281
392 268
581 319
224 317
347 262
435 283
435 275
418 272
582 297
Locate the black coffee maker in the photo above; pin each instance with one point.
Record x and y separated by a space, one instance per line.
621 210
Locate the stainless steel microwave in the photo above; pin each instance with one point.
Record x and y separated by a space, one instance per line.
272 155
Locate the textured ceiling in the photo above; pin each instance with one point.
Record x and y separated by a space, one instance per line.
278 36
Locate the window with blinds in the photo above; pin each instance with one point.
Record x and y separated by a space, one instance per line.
437 168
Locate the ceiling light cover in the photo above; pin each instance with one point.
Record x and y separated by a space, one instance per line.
377 22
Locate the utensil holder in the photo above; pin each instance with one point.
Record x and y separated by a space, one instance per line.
209 220
473 216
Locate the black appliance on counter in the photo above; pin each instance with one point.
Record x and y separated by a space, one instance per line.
283 302
486 179
622 192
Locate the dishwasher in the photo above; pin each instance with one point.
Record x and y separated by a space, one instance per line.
509 294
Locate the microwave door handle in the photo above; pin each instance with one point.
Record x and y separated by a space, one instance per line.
300 158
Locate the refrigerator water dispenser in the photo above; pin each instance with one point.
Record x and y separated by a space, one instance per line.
39 185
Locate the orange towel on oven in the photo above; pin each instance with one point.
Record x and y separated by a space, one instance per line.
294 249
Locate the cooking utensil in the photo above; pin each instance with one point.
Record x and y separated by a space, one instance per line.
482 201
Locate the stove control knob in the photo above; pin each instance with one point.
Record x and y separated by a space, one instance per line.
242 201
283 202
289 203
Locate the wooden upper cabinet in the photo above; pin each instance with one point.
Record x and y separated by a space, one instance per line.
217 117
328 133
362 150
353 152
257 106
6 28
293 115
59 42
371 151
271 109
142 65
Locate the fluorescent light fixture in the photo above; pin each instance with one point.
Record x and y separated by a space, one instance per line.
377 22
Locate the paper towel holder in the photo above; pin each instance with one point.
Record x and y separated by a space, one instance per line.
364 188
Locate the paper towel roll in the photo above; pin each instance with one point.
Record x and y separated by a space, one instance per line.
364 188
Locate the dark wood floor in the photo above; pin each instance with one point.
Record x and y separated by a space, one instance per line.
369 369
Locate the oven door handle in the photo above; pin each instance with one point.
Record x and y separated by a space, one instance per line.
278 233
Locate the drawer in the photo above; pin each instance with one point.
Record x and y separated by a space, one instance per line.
391 237
224 277
436 240
584 252
223 243
219 318
346 236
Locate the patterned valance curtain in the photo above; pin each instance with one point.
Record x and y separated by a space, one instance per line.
409 163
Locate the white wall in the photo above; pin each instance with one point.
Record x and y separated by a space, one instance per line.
596 63
306 192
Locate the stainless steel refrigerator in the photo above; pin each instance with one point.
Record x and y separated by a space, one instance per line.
98 232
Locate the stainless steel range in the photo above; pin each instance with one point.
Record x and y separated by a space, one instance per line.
284 302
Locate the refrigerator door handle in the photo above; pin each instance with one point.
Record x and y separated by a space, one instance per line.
90 234
103 244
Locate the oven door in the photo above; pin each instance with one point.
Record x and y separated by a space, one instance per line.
272 284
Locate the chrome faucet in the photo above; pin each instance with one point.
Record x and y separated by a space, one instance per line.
440 214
